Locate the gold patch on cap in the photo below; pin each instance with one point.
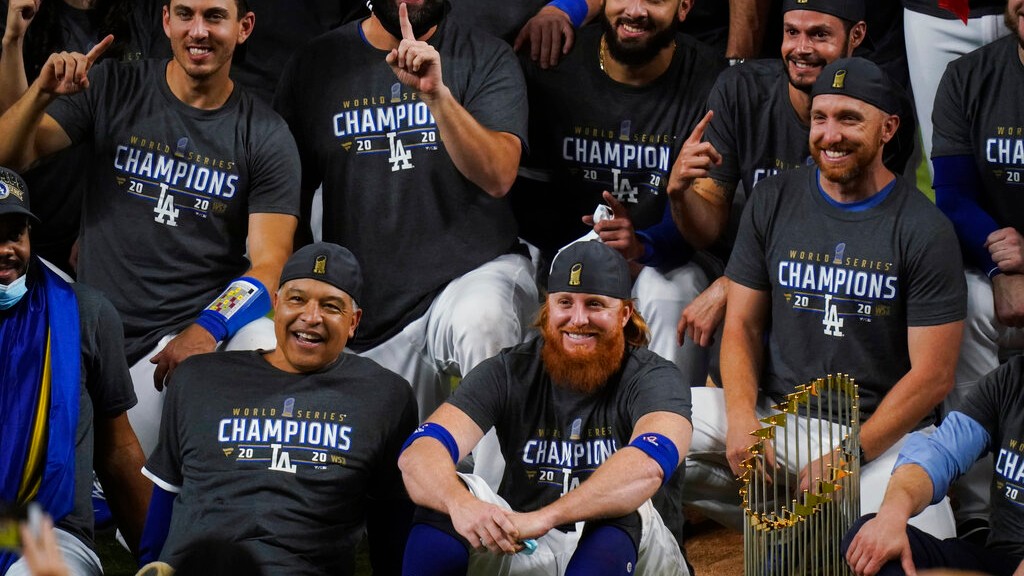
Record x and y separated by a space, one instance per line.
839 79
801 1
574 274
320 265
10 187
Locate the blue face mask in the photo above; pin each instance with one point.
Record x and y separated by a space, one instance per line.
12 293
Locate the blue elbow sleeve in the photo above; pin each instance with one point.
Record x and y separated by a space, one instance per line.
158 525
948 453
664 245
956 184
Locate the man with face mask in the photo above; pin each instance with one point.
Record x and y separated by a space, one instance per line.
64 393
414 127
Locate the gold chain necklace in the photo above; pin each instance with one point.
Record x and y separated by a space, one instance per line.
600 54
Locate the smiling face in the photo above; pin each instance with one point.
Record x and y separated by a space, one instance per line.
847 136
313 322
1014 19
204 34
584 340
811 40
637 30
14 247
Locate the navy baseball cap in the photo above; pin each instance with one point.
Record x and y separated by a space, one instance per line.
851 10
328 263
861 79
13 194
590 267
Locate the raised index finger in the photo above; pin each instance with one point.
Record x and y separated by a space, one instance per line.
99 49
698 131
403 20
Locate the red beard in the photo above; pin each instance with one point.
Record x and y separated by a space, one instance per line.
583 371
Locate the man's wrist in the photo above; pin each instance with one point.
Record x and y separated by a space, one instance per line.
576 10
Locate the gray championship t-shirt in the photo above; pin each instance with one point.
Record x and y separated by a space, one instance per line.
391 193
589 133
845 282
166 220
287 465
998 405
977 114
553 438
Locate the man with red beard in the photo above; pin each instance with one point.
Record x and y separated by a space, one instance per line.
590 424
856 272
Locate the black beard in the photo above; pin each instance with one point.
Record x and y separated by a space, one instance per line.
636 54
422 19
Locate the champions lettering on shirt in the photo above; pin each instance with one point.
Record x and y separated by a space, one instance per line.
622 161
174 178
295 437
551 460
1010 472
1006 151
393 125
837 286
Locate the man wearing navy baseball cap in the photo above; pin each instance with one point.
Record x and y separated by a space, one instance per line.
857 273
297 444
64 393
590 423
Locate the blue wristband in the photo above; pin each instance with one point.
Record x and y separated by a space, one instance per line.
576 9
244 300
437 432
661 450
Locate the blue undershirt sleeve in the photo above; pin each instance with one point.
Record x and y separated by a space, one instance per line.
664 246
948 453
956 184
158 525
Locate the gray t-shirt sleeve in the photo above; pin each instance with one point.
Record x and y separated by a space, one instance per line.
936 289
274 171
747 263
952 129
76 113
483 392
105 369
496 97
164 464
722 131
659 389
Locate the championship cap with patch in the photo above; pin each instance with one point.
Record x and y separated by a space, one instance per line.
326 262
850 10
861 79
590 267
13 194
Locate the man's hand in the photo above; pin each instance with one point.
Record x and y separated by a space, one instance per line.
416 64
879 541
1020 569
530 524
42 554
19 16
1006 246
550 35
695 159
617 231
738 441
192 340
65 72
818 469
1008 293
485 526
702 317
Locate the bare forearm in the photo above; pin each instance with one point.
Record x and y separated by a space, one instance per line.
701 211
618 487
909 492
13 81
906 404
430 478
740 369
487 158
746 27
19 125
127 491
